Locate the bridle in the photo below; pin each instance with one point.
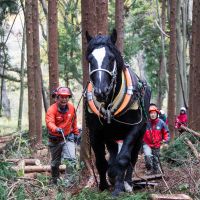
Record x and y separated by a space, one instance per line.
113 75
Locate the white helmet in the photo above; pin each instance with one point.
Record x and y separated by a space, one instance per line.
162 112
183 108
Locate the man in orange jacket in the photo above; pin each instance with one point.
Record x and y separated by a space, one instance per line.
61 122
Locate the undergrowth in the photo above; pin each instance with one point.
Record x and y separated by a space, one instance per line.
89 194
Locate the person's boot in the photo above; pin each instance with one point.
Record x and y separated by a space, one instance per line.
148 164
55 175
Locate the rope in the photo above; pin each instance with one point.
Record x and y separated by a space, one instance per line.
130 124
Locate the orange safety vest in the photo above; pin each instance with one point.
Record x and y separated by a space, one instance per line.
67 121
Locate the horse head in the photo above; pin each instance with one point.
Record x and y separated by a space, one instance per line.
105 62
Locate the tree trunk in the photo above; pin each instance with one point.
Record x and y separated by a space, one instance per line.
102 16
194 98
162 73
21 98
30 71
119 24
172 68
88 14
38 76
53 47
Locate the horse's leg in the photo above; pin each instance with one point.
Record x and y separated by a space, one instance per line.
101 163
124 158
112 147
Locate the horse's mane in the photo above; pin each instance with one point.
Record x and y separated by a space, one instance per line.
102 40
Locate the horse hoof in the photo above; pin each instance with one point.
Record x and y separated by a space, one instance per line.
103 187
128 187
116 192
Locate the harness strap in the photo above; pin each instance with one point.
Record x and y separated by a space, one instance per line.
120 106
129 92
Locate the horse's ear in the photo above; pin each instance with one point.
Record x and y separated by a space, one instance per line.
88 37
113 36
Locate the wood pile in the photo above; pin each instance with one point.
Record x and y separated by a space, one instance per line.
30 167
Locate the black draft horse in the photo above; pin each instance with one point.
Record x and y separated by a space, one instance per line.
117 107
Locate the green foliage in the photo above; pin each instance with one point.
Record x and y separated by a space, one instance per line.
6 171
142 35
69 43
178 151
94 194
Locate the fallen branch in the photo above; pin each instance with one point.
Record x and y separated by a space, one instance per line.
190 131
192 147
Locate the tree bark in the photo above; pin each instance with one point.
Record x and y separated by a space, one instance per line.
30 71
102 16
119 24
162 73
194 97
53 47
21 98
38 75
172 68
88 14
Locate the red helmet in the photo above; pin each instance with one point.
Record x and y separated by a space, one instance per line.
63 91
154 108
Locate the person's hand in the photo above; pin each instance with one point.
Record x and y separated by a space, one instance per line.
71 137
59 130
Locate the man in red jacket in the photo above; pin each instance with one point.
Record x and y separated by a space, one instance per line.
156 134
61 122
181 119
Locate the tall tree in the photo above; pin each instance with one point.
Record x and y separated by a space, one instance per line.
119 24
162 75
172 68
181 76
102 16
30 70
22 79
88 15
53 46
194 97
38 76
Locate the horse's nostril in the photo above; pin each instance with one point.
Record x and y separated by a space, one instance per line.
97 92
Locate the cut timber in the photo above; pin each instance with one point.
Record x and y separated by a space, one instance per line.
147 178
192 147
190 131
169 197
20 168
3 140
28 161
41 168
30 175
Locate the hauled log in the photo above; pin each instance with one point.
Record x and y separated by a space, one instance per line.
190 131
192 147
169 197
147 178
40 168
28 161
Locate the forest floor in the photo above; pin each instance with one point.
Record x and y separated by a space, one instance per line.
183 179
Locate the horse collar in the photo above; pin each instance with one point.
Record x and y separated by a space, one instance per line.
120 102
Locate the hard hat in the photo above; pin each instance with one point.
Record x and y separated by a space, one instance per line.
64 91
183 108
153 108
162 112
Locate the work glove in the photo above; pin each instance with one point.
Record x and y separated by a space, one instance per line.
59 130
71 137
